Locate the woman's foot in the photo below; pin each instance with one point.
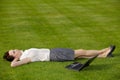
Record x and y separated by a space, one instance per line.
112 49
107 52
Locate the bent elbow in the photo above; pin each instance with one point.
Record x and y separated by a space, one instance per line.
13 65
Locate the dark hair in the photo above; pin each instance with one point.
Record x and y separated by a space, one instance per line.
8 57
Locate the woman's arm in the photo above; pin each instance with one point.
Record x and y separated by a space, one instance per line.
15 62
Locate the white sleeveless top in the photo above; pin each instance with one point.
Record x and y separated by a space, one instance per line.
36 54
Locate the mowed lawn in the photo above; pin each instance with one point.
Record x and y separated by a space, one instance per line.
87 24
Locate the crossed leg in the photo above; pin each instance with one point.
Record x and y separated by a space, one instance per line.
82 53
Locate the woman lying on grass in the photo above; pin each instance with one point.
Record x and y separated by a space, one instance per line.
19 57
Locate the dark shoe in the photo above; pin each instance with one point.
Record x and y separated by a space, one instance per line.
112 49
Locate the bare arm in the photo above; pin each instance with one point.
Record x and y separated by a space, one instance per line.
15 62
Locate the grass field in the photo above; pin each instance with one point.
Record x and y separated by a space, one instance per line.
87 24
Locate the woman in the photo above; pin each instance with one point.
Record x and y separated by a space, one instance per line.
19 57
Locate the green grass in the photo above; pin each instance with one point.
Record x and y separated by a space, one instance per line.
60 23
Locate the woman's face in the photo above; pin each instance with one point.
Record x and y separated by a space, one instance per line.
14 53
